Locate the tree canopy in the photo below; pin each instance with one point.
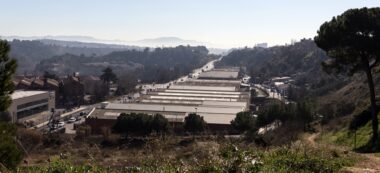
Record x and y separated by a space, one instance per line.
243 121
352 41
10 155
159 65
108 76
7 69
300 112
194 123
140 124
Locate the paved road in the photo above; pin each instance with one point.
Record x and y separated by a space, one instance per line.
69 127
270 93
207 67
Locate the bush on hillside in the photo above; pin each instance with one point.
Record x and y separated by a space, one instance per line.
243 121
194 123
10 154
140 124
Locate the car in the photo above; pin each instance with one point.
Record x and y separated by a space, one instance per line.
78 118
82 113
61 124
71 120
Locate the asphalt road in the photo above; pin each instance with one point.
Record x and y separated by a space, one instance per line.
207 67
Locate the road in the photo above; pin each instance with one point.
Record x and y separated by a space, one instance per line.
69 127
195 73
271 94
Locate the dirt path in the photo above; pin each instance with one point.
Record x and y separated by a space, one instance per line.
312 137
370 163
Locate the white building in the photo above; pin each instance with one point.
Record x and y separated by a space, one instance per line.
28 104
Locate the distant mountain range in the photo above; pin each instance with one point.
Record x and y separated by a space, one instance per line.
91 42
85 39
167 42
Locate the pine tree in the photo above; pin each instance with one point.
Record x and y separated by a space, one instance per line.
7 69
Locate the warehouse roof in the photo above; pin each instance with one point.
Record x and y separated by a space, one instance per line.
199 95
219 75
21 94
174 108
214 81
205 88
206 92
172 117
197 102
192 98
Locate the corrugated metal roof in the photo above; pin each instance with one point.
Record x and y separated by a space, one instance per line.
174 108
228 104
199 95
209 118
220 74
205 88
215 81
21 94
198 91
192 98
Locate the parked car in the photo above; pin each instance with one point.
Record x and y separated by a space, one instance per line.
61 124
82 113
78 118
72 119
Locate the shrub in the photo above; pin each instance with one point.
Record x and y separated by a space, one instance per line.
60 166
194 123
140 124
10 154
304 159
160 123
243 121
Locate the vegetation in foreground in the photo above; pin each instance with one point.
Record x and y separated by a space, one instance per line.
358 139
210 156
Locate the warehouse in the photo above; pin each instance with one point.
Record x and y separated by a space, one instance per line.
217 100
220 74
30 104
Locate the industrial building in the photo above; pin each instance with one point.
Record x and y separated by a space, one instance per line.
221 74
30 104
217 100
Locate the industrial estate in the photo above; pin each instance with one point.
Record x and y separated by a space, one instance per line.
229 102
215 95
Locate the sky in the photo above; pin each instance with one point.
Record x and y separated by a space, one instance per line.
222 23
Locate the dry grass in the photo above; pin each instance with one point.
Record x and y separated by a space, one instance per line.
172 148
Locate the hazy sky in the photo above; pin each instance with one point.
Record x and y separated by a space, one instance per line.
225 23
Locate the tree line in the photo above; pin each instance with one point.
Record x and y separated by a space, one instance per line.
141 124
301 112
157 65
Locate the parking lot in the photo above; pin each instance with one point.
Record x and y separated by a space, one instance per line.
65 122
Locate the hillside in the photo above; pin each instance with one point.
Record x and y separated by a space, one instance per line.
334 95
158 65
301 60
30 53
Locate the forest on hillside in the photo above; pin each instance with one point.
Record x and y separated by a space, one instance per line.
334 95
301 61
30 52
158 65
